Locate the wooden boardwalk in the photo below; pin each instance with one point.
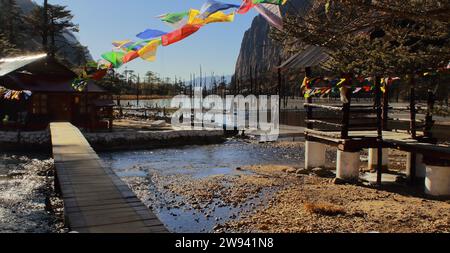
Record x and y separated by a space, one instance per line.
95 199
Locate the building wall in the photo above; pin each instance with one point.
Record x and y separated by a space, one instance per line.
43 108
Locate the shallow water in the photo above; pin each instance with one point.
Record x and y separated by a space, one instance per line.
199 162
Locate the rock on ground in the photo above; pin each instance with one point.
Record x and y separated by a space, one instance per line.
27 201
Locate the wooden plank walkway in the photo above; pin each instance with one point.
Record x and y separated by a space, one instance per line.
95 199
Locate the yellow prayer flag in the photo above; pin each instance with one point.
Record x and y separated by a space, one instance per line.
148 52
217 17
305 82
120 43
341 82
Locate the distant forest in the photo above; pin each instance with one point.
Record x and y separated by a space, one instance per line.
130 83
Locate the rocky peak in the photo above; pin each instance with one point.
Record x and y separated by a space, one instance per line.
258 50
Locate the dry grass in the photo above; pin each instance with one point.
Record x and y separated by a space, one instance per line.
324 209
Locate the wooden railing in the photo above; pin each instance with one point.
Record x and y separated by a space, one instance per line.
343 118
414 110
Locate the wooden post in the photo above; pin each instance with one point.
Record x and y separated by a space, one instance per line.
192 111
111 121
279 86
429 117
413 169
309 110
379 130
87 120
412 109
346 115
386 108
137 94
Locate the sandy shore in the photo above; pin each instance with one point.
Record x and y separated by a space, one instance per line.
309 203
27 200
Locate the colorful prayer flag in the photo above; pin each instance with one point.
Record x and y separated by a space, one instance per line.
130 56
212 6
277 2
179 34
246 6
136 45
120 43
305 83
79 84
99 74
217 17
357 90
175 20
173 17
150 34
148 52
115 58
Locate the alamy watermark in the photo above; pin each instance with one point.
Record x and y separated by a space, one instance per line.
251 114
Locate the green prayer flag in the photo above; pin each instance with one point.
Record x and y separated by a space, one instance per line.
173 18
277 2
115 58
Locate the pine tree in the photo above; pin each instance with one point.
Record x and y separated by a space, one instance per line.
6 48
374 37
11 21
59 20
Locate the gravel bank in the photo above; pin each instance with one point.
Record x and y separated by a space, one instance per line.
27 201
289 199
313 204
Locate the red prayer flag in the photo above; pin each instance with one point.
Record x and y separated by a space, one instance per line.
99 74
130 56
246 6
179 34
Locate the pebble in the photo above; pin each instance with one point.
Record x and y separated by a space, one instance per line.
302 171
338 181
291 171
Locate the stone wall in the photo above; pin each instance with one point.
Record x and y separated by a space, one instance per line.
126 140
129 140
11 140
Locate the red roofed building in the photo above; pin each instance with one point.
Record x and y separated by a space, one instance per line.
53 98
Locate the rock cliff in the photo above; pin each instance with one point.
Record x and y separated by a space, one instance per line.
258 50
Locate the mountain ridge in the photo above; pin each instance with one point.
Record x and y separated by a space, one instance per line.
71 49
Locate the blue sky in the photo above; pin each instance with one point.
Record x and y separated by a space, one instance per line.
215 46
